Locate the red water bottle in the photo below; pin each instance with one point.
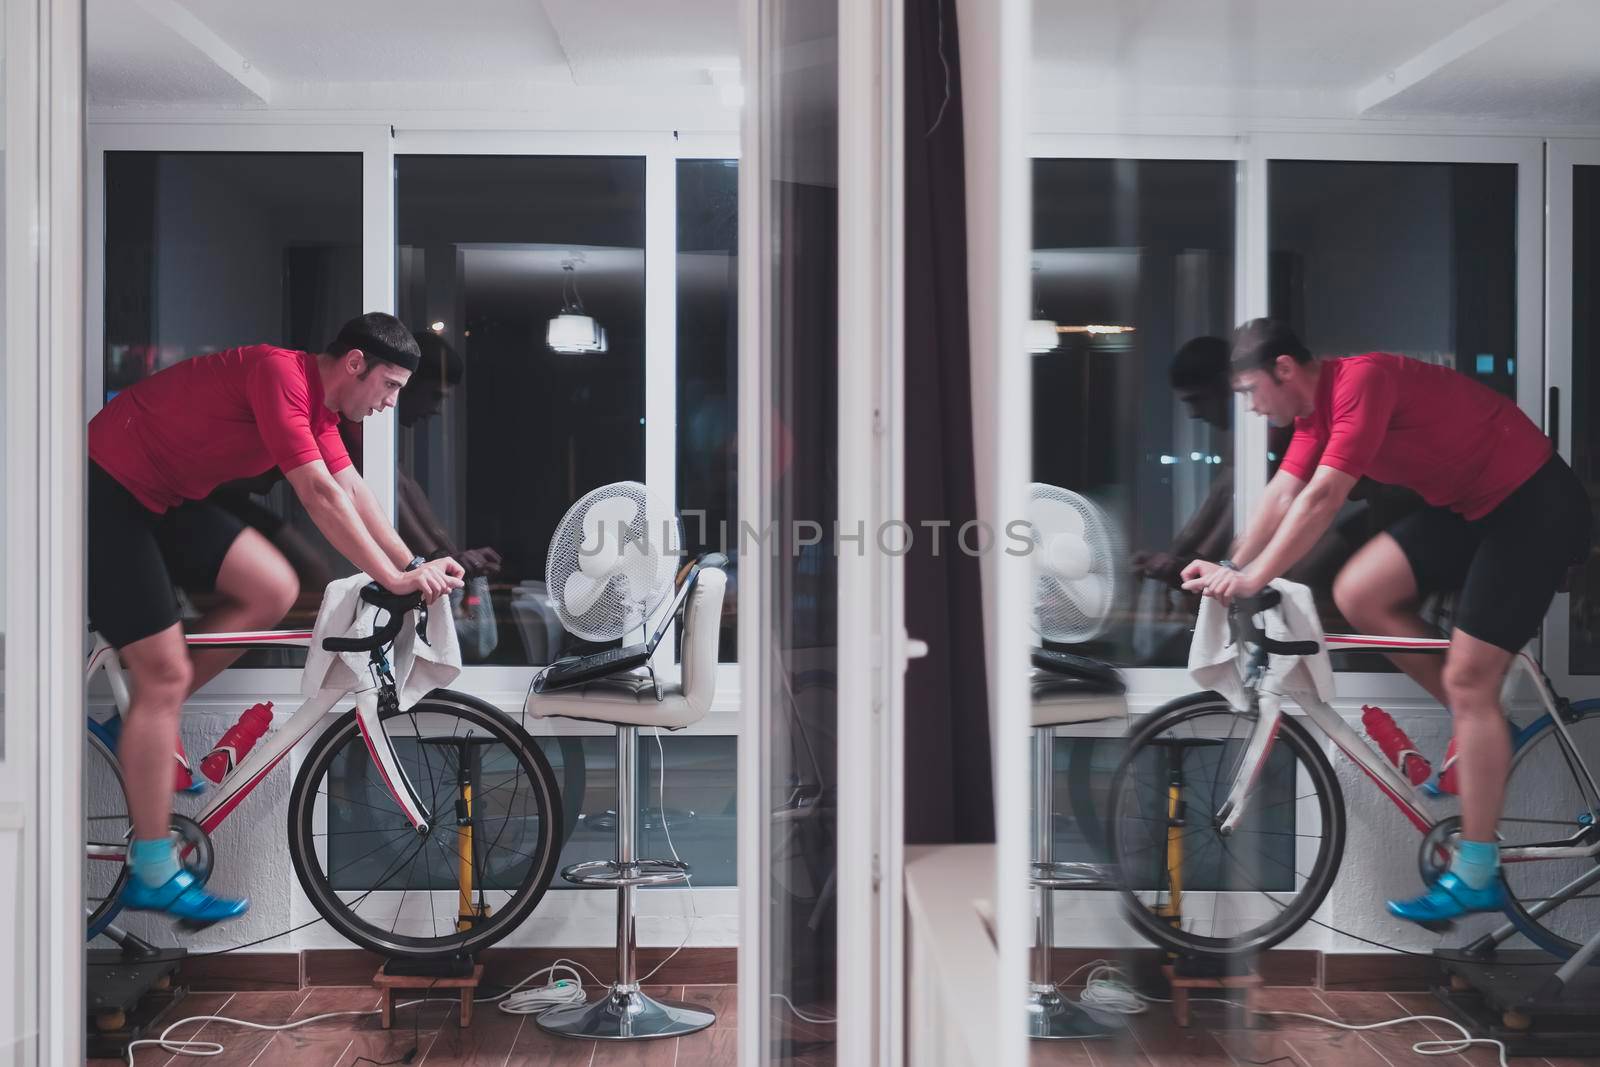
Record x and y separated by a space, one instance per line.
1395 744
237 742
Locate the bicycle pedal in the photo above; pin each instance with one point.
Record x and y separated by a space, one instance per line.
194 926
1438 926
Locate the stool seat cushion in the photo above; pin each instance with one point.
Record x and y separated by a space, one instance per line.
622 699
1058 702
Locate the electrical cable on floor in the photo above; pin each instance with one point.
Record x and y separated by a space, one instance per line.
817 1020
688 879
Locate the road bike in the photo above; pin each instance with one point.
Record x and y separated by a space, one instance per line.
1227 827
427 832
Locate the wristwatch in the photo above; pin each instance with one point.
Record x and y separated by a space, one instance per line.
416 561
1227 564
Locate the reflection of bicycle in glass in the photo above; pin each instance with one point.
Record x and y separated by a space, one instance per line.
428 832
1228 826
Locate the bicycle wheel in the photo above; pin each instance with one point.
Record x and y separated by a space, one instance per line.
483 865
1551 800
106 828
1190 889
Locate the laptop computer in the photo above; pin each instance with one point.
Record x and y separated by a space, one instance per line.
569 671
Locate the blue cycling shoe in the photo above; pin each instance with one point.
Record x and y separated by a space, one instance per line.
1448 899
183 897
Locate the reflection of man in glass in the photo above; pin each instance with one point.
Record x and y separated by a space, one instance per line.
423 398
1199 376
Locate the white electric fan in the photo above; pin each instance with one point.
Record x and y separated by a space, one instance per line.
612 561
1077 562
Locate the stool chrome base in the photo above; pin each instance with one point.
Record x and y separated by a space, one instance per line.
1051 1015
626 1014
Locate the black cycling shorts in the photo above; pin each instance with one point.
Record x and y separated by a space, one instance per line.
137 556
1509 564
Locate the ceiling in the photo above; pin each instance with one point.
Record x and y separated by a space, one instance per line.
1465 59
1508 60
492 54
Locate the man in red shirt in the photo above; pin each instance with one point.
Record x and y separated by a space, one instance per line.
156 451
1506 520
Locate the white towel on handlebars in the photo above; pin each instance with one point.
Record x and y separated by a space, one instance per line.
419 668
1216 663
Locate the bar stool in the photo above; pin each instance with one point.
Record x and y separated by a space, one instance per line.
629 702
1070 690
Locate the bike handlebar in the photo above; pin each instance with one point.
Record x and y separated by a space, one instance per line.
1242 618
397 605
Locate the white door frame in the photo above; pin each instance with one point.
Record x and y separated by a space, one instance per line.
1561 156
41 825
871 637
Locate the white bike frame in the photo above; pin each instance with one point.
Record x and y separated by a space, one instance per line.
1407 797
232 790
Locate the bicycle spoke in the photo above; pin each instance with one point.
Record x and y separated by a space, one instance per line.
394 837
362 804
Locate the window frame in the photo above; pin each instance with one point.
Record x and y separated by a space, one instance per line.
379 144
1562 158
1148 688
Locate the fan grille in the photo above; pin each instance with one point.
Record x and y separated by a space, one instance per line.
1078 569
612 560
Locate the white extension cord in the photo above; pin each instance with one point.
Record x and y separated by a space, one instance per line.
1107 989
215 1048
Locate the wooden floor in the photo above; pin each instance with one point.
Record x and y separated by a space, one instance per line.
1216 1037
494 1038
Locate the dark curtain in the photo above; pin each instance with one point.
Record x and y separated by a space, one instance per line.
949 781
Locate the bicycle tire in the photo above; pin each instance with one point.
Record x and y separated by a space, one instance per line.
101 915
574 781
1330 800
528 892
1528 745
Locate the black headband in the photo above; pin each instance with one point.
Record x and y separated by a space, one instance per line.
356 335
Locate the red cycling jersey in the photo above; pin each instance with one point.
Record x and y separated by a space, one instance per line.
1400 421
182 432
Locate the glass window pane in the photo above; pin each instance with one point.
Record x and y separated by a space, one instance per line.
1084 769
1417 259
206 251
700 809
708 357
507 433
1584 651
1139 421
800 205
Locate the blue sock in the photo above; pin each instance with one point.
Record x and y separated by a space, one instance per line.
153 862
1476 863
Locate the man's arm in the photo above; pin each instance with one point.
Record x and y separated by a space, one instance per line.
335 512
332 508
1306 520
375 522
1269 514
1276 503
